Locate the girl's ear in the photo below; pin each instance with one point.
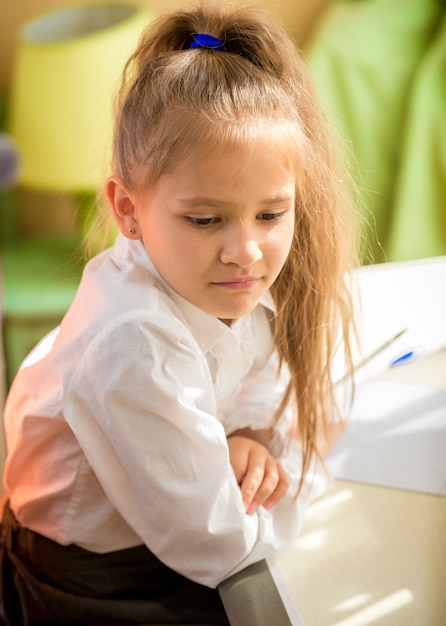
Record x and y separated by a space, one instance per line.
122 206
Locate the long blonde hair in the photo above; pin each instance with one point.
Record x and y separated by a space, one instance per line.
174 98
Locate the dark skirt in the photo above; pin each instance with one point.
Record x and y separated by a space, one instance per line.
42 582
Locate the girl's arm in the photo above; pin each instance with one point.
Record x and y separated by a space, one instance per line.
142 407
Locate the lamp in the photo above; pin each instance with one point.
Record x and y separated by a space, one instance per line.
67 67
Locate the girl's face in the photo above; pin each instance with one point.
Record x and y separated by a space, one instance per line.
219 228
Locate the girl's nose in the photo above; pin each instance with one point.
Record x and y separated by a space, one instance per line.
241 248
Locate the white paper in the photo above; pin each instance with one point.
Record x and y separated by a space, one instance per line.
395 437
392 297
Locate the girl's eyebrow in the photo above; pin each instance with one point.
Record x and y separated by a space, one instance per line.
215 203
203 201
279 199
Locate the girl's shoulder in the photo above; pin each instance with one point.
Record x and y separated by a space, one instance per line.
112 297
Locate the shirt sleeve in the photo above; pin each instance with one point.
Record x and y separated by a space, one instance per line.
142 408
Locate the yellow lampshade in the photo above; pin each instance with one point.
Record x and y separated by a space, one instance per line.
67 69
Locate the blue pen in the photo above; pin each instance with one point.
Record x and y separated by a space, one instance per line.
406 357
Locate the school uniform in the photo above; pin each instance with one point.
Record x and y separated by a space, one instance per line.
121 493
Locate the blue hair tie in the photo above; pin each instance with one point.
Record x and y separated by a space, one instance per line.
201 40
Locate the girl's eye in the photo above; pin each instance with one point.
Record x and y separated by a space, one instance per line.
269 217
202 221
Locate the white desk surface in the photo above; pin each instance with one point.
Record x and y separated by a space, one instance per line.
370 555
374 555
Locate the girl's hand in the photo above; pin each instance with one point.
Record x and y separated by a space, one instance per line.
261 478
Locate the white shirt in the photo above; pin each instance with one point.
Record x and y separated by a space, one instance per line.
117 424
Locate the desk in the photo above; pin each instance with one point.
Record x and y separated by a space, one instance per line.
373 555
370 555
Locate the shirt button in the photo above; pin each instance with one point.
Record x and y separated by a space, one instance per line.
232 366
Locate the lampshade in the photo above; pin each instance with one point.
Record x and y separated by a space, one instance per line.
67 69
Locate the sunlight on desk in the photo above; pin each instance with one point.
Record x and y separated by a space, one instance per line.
354 603
378 610
330 501
370 555
318 538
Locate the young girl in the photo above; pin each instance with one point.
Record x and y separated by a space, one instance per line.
166 435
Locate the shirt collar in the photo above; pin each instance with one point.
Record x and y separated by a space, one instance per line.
206 328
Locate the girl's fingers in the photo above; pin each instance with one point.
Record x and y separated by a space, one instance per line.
281 489
252 481
261 478
264 483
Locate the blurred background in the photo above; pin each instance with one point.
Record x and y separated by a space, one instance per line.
379 67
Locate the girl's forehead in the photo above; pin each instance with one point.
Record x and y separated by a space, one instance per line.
283 141
226 175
